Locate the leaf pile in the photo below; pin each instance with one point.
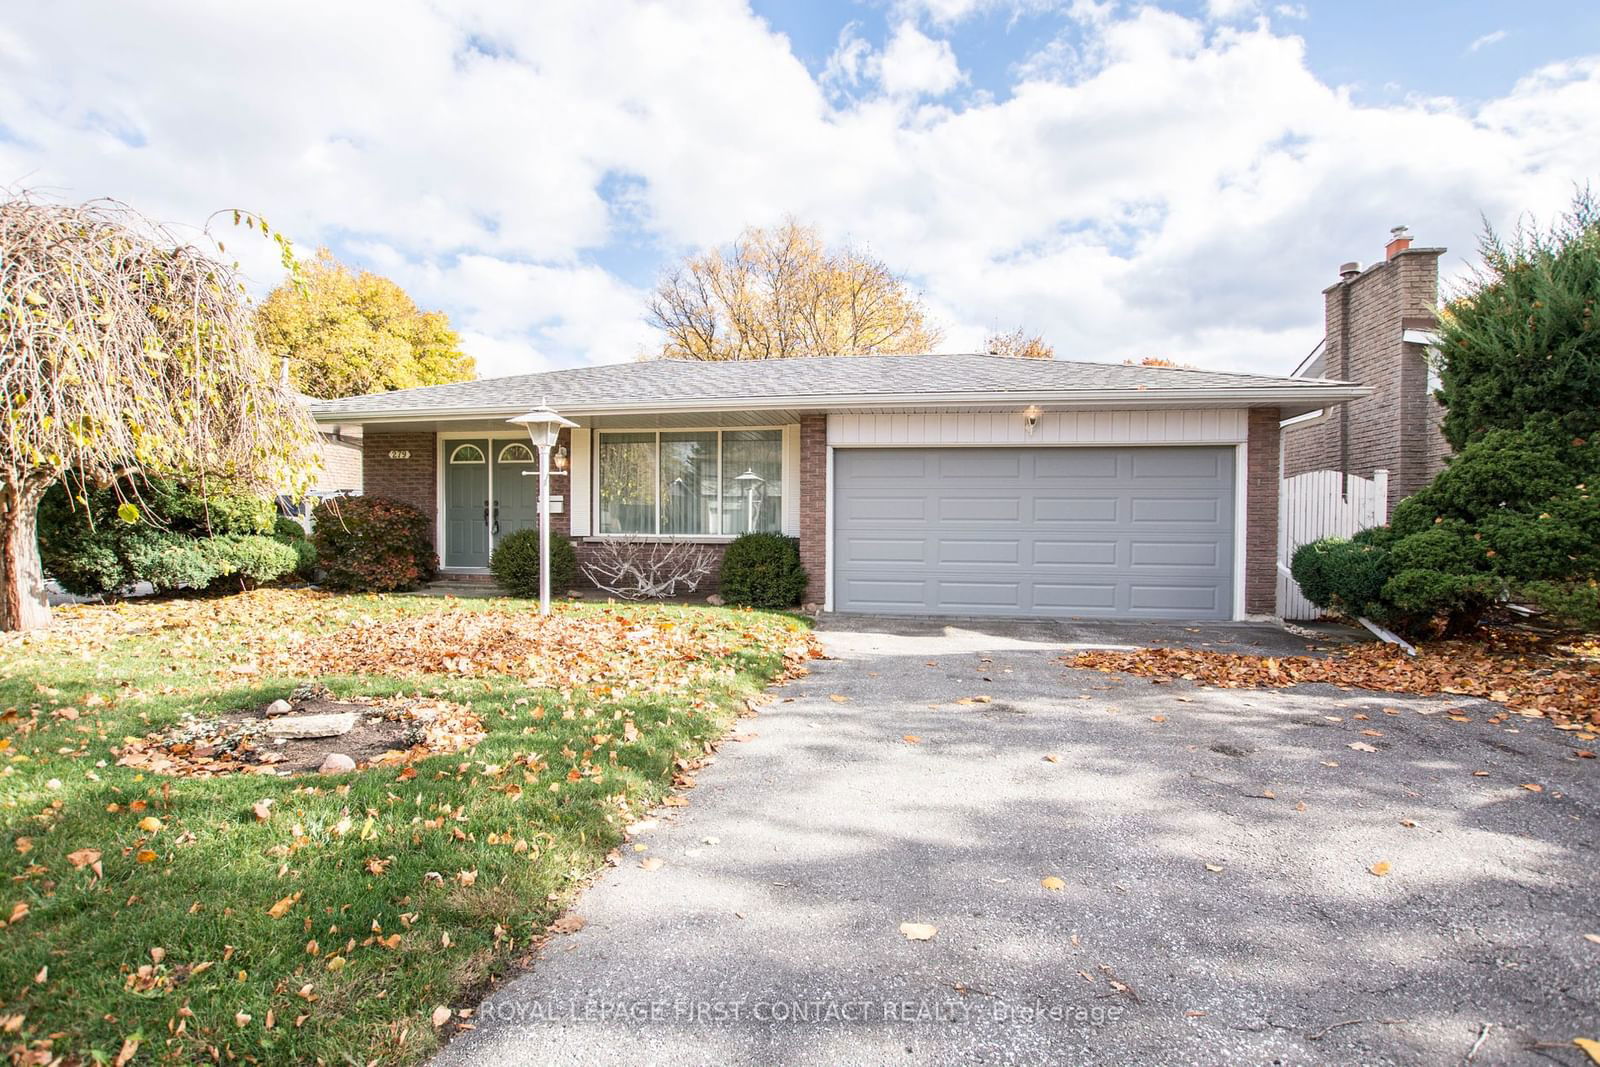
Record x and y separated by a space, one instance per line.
205 748
1520 671
608 653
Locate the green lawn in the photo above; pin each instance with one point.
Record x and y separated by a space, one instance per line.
397 892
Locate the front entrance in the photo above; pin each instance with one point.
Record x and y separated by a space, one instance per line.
491 489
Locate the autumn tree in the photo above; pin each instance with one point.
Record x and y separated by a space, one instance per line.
123 352
781 292
348 332
1018 343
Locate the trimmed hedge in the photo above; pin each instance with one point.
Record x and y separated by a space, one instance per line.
371 544
762 570
515 564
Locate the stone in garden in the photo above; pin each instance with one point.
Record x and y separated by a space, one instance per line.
300 726
715 601
279 707
337 763
810 609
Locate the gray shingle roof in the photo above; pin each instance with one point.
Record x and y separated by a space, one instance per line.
824 382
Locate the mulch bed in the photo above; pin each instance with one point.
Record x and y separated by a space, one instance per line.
387 732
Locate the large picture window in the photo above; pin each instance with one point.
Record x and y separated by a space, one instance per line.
690 483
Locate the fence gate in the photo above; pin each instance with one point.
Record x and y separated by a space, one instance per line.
1322 504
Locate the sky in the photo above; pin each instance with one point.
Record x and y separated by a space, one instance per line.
1127 179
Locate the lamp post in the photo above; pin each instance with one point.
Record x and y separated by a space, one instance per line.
750 481
544 429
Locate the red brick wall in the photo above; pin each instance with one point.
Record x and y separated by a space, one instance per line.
412 481
814 504
1397 426
1261 513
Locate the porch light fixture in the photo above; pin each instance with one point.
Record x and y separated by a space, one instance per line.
1030 419
544 429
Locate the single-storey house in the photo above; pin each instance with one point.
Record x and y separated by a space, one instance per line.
926 485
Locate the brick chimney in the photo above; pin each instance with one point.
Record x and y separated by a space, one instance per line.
1367 314
1399 241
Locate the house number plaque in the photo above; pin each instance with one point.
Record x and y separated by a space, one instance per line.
400 453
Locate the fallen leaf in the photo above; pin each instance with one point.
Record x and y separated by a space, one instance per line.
838 698
1590 1047
1533 787
145 855
1361 746
281 908
1052 758
568 924
262 810
1214 868
149 824
918 931
1194 1013
241 1019
1592 937
129 1049
83 857
441 1015
1054 884
1380 869
911 739
652 863
1158 718
336 963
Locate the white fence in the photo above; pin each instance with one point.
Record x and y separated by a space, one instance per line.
1322 504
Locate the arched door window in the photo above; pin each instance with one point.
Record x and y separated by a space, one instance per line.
466 454
516 453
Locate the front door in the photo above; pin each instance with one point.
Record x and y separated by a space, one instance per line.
467 504
516 487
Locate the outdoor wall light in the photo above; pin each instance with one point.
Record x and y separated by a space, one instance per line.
559 460
1030 419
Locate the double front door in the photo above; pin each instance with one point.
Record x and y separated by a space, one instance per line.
491 489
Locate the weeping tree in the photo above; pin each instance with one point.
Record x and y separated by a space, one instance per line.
124 353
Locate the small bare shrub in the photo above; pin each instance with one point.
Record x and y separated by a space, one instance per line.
637 568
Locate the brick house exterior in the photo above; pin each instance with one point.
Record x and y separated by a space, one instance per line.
1377 320
1137 421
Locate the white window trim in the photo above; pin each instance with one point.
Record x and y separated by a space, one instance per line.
711 538
456 451
527 451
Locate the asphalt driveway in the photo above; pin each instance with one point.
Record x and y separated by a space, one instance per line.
1215 852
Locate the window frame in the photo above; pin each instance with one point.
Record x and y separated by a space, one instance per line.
482 459
657 431
500 456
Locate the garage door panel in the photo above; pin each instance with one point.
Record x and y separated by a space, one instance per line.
963 551
980 463
1075 509
1054 532
1076 463
979 509
1203 554
978 596
1074 598
1177 464
1195 509
1049 553
866 549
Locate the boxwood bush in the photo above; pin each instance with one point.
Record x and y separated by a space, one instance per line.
372 544
762 570
515 564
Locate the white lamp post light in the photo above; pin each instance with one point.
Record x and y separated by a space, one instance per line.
544 429
751 482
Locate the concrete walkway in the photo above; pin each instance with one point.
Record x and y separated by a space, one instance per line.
1214 850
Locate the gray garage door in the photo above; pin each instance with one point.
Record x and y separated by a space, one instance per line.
1133 532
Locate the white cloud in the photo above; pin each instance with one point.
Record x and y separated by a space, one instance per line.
1492 38
1230 9
1172 187
914 64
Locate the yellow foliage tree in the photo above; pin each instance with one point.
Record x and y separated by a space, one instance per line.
780 292
348 332
1018 343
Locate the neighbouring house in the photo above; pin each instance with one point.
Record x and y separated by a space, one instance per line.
340 449
923 485
1380 324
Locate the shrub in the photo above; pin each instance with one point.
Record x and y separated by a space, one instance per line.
287 531
762 570
250 558
515 563
89 546
373 544
1343 575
